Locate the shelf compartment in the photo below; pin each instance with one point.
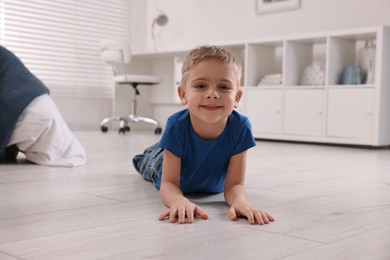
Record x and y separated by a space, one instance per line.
300 54
263 59
344 51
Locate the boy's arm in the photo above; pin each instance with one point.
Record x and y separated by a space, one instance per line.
235 195
171 195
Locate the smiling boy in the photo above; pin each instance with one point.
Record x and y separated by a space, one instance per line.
204 147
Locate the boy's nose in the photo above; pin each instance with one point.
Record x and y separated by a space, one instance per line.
212 95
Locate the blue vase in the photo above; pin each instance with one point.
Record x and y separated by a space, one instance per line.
353 75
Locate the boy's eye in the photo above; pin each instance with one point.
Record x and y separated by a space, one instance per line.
225 87
199 86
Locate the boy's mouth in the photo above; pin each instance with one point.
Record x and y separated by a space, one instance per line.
211 107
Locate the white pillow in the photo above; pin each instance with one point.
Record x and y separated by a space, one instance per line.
43 136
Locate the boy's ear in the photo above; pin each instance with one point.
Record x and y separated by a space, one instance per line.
238 98
182 95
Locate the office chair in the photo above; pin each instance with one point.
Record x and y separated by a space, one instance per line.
117 54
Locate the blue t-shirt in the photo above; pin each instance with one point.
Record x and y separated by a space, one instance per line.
204 164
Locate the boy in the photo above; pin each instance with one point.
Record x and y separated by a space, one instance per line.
204 147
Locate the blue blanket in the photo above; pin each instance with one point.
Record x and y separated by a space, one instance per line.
18 87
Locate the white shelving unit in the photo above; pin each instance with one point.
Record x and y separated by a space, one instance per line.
330 113
327 113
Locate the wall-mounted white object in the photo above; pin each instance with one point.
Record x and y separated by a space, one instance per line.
159 19
271 6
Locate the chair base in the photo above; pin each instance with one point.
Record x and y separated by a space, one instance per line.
125 120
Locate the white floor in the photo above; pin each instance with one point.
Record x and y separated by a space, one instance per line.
330 202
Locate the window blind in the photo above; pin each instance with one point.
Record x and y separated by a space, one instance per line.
58 40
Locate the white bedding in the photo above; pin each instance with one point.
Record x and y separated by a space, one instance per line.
43 136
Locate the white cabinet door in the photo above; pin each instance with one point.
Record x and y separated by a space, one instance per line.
304 112
264 110
350 113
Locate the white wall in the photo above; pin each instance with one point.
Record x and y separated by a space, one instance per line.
193 22
83 113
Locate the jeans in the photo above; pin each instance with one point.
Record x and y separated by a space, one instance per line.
149 163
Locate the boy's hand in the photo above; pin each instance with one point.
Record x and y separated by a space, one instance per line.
181 210
254 216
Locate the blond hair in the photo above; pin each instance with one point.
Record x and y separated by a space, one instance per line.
205 52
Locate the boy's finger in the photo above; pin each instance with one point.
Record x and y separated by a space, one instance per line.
172 215
164 215
260 217
201 213
270 218
181 215
232 214
250 216
190 215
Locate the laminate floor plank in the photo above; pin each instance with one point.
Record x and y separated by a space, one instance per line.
4 256
31 226
152 239
369 245
49 204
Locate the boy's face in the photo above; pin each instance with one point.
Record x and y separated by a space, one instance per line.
210 92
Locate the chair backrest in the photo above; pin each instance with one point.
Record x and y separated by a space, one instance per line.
115 51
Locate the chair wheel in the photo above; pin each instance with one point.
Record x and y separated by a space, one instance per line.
104 128
158 131
124 129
